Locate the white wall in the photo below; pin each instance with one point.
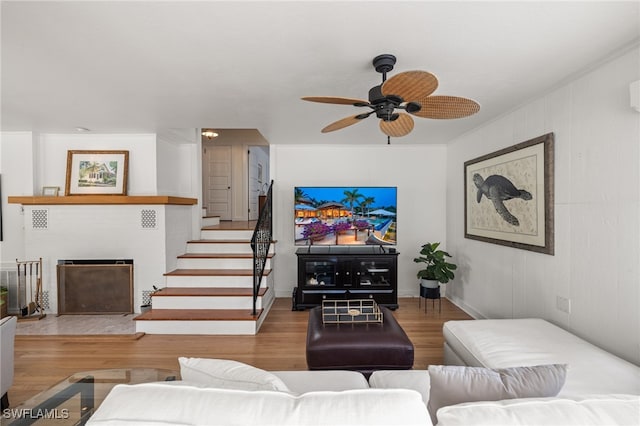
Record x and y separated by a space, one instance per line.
597 214
178 163
419 172
53 149
17 169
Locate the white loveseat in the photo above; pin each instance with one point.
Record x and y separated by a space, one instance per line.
7 336
599 389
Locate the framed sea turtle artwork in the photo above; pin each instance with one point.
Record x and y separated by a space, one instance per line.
508 196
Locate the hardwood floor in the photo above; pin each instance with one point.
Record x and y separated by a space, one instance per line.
42 361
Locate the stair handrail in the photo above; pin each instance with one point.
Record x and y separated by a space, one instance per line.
261 242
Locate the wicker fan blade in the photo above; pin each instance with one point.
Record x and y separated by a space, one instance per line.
401 126
341 124
334 100
445 107
410 85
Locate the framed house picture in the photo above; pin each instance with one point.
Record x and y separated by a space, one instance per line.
97 172
509 196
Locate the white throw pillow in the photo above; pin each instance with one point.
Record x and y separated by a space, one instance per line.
228 374
452 384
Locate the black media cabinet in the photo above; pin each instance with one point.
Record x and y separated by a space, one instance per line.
340 273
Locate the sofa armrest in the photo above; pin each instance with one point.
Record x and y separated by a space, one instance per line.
7 337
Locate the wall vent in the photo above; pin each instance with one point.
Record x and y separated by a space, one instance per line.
45 300
148 219
146 296
40 219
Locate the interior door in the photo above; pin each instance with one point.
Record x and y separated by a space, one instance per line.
256 175
218 181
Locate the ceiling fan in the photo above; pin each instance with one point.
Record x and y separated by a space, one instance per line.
409 91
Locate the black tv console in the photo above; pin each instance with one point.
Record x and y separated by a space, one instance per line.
339 273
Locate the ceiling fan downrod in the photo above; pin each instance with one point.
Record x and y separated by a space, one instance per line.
383 64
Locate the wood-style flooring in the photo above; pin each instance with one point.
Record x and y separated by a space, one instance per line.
42 361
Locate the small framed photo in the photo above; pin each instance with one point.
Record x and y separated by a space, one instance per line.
97 172
50 191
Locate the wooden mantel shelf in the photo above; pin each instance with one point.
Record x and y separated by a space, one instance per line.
103 199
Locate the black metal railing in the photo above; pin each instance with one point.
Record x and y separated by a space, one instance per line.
261 242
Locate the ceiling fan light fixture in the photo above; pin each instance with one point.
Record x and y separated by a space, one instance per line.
209 134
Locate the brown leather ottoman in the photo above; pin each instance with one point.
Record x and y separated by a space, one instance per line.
360 347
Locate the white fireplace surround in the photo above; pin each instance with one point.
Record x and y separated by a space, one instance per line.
101 231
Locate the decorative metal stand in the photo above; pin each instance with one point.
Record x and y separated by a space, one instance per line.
30 274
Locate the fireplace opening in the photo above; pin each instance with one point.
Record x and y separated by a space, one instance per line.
95 286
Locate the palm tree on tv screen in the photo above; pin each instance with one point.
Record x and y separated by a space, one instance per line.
364 204
351 198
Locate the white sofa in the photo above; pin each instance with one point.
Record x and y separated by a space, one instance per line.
599 388
7 337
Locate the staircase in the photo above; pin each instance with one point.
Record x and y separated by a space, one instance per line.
211 290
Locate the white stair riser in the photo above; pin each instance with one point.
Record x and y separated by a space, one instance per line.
209 327
210 221
218 263
239 247
215 234
197 327
205 302
210 281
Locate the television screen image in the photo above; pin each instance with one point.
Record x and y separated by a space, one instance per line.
345 215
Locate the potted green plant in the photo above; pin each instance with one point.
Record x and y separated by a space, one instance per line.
437 269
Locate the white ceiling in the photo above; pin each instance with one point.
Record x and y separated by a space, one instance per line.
141 66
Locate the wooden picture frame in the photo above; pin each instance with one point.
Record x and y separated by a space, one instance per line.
97 172
509 196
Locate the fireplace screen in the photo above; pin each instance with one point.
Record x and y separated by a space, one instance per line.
95 286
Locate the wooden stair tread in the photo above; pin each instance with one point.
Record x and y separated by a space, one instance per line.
207 291
219 228
199 315
214 272
218 256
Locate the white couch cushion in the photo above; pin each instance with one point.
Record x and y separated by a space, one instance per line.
228 374
596 410
300 382
506 343
417 380
154 404
452 384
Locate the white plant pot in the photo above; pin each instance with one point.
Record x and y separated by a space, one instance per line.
429 283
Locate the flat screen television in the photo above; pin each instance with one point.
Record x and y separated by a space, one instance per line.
345 215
